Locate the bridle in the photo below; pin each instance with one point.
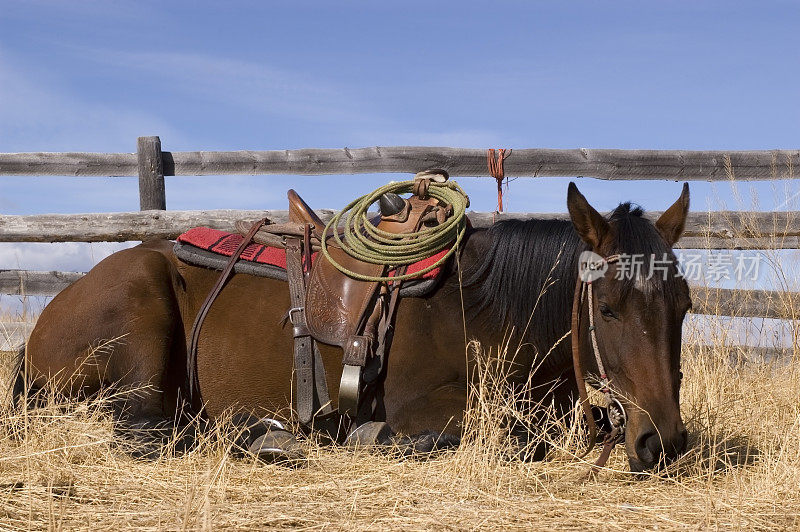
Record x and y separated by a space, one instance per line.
617 416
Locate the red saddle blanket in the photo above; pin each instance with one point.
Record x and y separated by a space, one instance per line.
224 243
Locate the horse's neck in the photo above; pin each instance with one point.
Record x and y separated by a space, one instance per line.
543 345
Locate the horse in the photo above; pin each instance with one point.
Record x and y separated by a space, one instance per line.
140 304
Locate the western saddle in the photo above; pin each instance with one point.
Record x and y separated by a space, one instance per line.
331 307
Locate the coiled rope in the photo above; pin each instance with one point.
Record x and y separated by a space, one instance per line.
365 242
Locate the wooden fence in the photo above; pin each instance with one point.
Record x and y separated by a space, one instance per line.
709 230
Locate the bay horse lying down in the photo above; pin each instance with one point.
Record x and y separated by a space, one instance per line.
147 299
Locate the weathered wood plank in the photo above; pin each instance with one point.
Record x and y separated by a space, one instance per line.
737 355
35 283
69 164
535 162
118 227
766 230
720 243
746 303
713 224
152 193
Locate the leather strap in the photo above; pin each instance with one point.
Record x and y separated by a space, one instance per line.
303 343
195 397
386 325
576 364
372 372
309 368
613 438
617 434
321 384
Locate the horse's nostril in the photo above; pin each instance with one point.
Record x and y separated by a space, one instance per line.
648 447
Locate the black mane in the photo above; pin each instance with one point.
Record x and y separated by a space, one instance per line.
522 257
537 260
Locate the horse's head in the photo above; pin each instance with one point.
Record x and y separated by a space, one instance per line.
638 307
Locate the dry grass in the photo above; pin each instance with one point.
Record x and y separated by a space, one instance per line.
60 469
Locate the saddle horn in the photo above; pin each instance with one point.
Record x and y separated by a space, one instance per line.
390 204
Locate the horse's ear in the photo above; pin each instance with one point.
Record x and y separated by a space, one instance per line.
672 222
590 224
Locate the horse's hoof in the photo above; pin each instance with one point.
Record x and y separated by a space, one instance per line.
278 447
369 434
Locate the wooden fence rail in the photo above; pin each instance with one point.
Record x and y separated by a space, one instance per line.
35 283
600 164
710 230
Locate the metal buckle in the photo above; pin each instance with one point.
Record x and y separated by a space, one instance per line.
291 314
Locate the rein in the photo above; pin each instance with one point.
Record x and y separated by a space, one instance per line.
193 390
583 290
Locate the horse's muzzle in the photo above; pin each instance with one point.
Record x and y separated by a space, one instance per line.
654 449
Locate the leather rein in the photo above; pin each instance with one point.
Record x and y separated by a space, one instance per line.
616 412
193 382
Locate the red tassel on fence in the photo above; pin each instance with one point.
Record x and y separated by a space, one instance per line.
495 163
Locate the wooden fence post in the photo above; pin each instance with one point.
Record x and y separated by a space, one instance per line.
152 195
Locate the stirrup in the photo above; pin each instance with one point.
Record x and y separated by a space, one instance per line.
369 434
350 390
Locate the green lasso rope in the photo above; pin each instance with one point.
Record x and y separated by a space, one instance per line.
365 242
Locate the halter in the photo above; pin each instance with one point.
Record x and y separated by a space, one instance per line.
617 416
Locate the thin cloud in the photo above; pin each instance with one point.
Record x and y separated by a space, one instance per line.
37 114
255 86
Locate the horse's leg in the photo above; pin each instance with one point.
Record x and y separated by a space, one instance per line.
146 434
116 326
444 407
155 342
428 423
545 418
425 386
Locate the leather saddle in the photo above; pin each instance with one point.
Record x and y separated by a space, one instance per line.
351 313
339 308
331 307
300 212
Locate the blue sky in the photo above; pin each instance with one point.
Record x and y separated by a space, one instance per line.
92 76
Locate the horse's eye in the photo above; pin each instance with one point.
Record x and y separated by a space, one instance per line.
606 311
